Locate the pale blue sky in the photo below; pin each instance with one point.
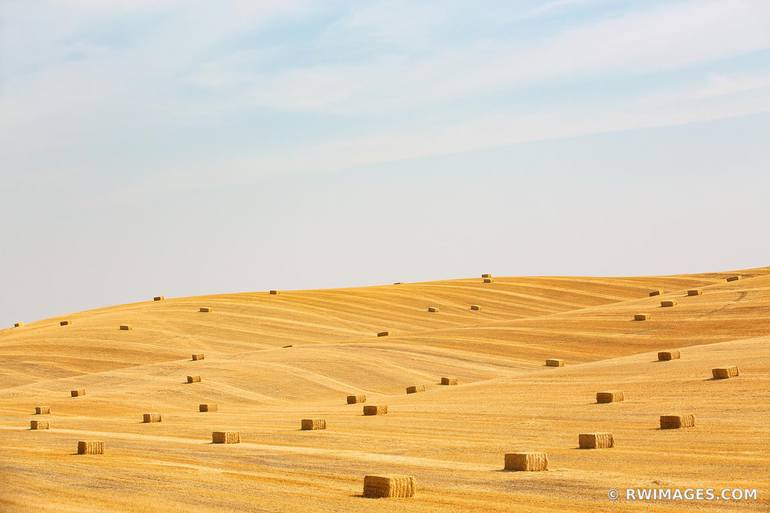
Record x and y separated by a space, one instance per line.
187 147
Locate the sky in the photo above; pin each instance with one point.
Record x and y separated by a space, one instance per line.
176 147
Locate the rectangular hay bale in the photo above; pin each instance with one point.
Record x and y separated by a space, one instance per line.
433 309
667 303
609 397
193 379
664 356
371 409
448 381
151 417
487 280
415 388
656 292
64 323
125 327
78 392
158 298
208 407
475 308
313 424
389 486
725 372
595 440
526 461
90 447
641 317
354 399
226 437
42 410
198 356
694 292
554 362
38 424
383 334
274 292
486 275
204 309
677 421
733 278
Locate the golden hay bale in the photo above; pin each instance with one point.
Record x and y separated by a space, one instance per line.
389 486
677 421
396 283
18 324
448 381
354 399
198 356
78 392
526 461
554 362
151 417
288 346
667 303
725 372
383 334
158 298
64 323
193 379
486 275
371 409
225 437
204 309
664 356
475 307
92 447
641 317
433 309
596 440
609 397
42 410
487 280
694 292
38 424
209 407
415 388
733 278
274 292
125 327
313 424
656 292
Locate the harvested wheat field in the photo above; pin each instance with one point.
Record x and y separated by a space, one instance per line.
449 440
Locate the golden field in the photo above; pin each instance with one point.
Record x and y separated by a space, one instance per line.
452 439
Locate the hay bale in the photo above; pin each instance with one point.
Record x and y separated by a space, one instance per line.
125 327
733 278
42 410
609 397
273 292
526 461
288 346
448 381
725 372
396 283
78 392
596 440
64 323
204 309
38 424
415 388
641 317
667 303
486 275
383 334
664 356
313 424
225 437
90 447
198 356
18 324
433 309
677 421
208 407
376 487
355 399
475 308
554 362
371 409
151 417
656 292
193 379
694 292
487 280
158 298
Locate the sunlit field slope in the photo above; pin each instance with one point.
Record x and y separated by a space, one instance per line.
274 359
